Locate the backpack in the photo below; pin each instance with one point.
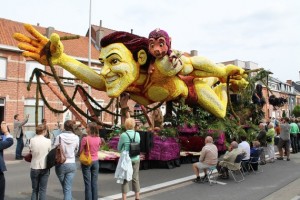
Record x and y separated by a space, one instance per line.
134 147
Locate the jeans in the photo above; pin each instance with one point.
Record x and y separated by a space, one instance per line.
2 186
298 141
90 177
294 142
39 181
65 174
20 146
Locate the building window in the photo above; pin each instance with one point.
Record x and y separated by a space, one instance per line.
67 115
30 66
3 66
29 108
67 74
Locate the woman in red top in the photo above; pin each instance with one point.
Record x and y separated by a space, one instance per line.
90 173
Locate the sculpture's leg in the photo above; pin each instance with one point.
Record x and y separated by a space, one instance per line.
213 100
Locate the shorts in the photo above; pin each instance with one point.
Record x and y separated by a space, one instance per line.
202 165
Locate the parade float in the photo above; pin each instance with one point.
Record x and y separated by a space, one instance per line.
195 90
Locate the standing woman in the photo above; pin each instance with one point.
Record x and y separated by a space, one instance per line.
39 146
124 145
66 171
270 144
90 173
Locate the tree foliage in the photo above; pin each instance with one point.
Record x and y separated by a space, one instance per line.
296 111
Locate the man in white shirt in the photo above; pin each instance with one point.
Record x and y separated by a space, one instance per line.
246 147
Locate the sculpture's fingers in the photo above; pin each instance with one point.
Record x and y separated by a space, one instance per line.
23 38
36 34
20 37
27 47
34 56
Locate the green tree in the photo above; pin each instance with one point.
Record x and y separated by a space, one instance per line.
283 114
296 111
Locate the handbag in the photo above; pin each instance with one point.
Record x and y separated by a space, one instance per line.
56 156
269 139
28 157
134 147
60 157
86 159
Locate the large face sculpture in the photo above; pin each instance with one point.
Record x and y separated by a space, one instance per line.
119 68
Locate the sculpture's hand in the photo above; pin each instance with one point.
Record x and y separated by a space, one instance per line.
38 47
238 85
232 70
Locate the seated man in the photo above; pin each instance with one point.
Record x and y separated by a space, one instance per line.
229 158
208 158
246 147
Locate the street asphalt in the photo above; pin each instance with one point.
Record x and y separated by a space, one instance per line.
278 181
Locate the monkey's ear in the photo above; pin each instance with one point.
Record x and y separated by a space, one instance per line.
142 57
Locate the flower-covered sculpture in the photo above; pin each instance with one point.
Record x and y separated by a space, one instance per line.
126 61
277 101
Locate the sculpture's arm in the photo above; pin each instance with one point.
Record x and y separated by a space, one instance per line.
38 47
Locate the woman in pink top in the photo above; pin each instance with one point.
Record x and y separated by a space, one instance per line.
90 173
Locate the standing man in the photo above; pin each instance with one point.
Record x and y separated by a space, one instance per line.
18 133
284 139
208 158
293 136
4 144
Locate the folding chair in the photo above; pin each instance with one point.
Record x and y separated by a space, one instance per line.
28 136
255 161
211 178
237 168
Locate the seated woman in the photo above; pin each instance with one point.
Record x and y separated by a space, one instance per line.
255 154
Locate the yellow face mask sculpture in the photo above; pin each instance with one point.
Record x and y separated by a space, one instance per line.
126 60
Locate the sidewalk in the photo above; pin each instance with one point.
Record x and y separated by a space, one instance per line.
9 154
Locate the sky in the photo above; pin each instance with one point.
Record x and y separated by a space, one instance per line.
264 32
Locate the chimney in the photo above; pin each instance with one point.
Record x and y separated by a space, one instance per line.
49 31
289 82
99 36
131 31
194 52
38 24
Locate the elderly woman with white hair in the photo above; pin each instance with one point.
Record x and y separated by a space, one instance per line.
270 142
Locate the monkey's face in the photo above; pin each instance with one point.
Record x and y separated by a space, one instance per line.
158 47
